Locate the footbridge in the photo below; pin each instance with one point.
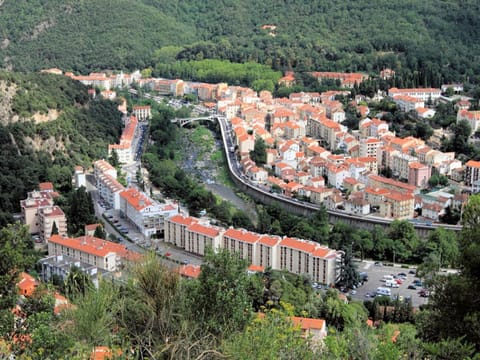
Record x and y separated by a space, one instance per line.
295 206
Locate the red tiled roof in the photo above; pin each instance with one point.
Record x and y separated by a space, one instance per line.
190 271
204 230
242 235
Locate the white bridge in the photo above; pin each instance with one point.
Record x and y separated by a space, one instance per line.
183 122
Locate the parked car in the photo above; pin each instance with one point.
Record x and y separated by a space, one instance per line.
424 293
168 254
402 274
412 287
412 272
399 281
377 263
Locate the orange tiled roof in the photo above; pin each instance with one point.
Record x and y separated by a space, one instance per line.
204 230
242 235
136 199
189 270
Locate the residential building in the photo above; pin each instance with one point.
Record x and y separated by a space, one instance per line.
146 214
59 266
175 229
398 205
472 175
199 237
50 217
142 112
472 117
418 174
424 94
267 251
241 242
101 253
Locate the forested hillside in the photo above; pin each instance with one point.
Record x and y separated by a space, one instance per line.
47 126
431 41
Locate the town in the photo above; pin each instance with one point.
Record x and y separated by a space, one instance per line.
309 156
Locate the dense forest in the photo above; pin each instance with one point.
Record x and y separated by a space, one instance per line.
36 148
427 42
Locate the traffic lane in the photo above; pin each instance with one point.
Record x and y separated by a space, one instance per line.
376 274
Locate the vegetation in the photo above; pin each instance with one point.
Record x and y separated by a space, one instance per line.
427 43
157 314
34 152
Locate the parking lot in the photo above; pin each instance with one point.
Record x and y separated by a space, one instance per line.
375 275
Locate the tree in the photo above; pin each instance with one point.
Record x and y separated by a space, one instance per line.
113 159
271 336
17 254
348 274
259 152
54 228
441 320
405 239
221 303
77 283
100 232
81 211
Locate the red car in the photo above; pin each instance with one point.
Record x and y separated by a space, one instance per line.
399 281
167 254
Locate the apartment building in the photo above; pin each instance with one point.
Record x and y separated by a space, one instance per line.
408 103
40 214
267 251
60 266
106 182
472 117
199 237
472 175
424 94
241 242
101 253
142 112
126 148
398 205
419 174
146 214
175 229
51 217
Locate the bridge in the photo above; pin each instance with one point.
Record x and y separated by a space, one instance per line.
295 206
183 122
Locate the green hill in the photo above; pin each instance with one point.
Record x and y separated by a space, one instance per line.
47 126
434 40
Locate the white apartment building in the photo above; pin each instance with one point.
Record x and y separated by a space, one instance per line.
147 215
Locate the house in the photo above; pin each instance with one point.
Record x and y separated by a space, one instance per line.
357 205
27 284
189 271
